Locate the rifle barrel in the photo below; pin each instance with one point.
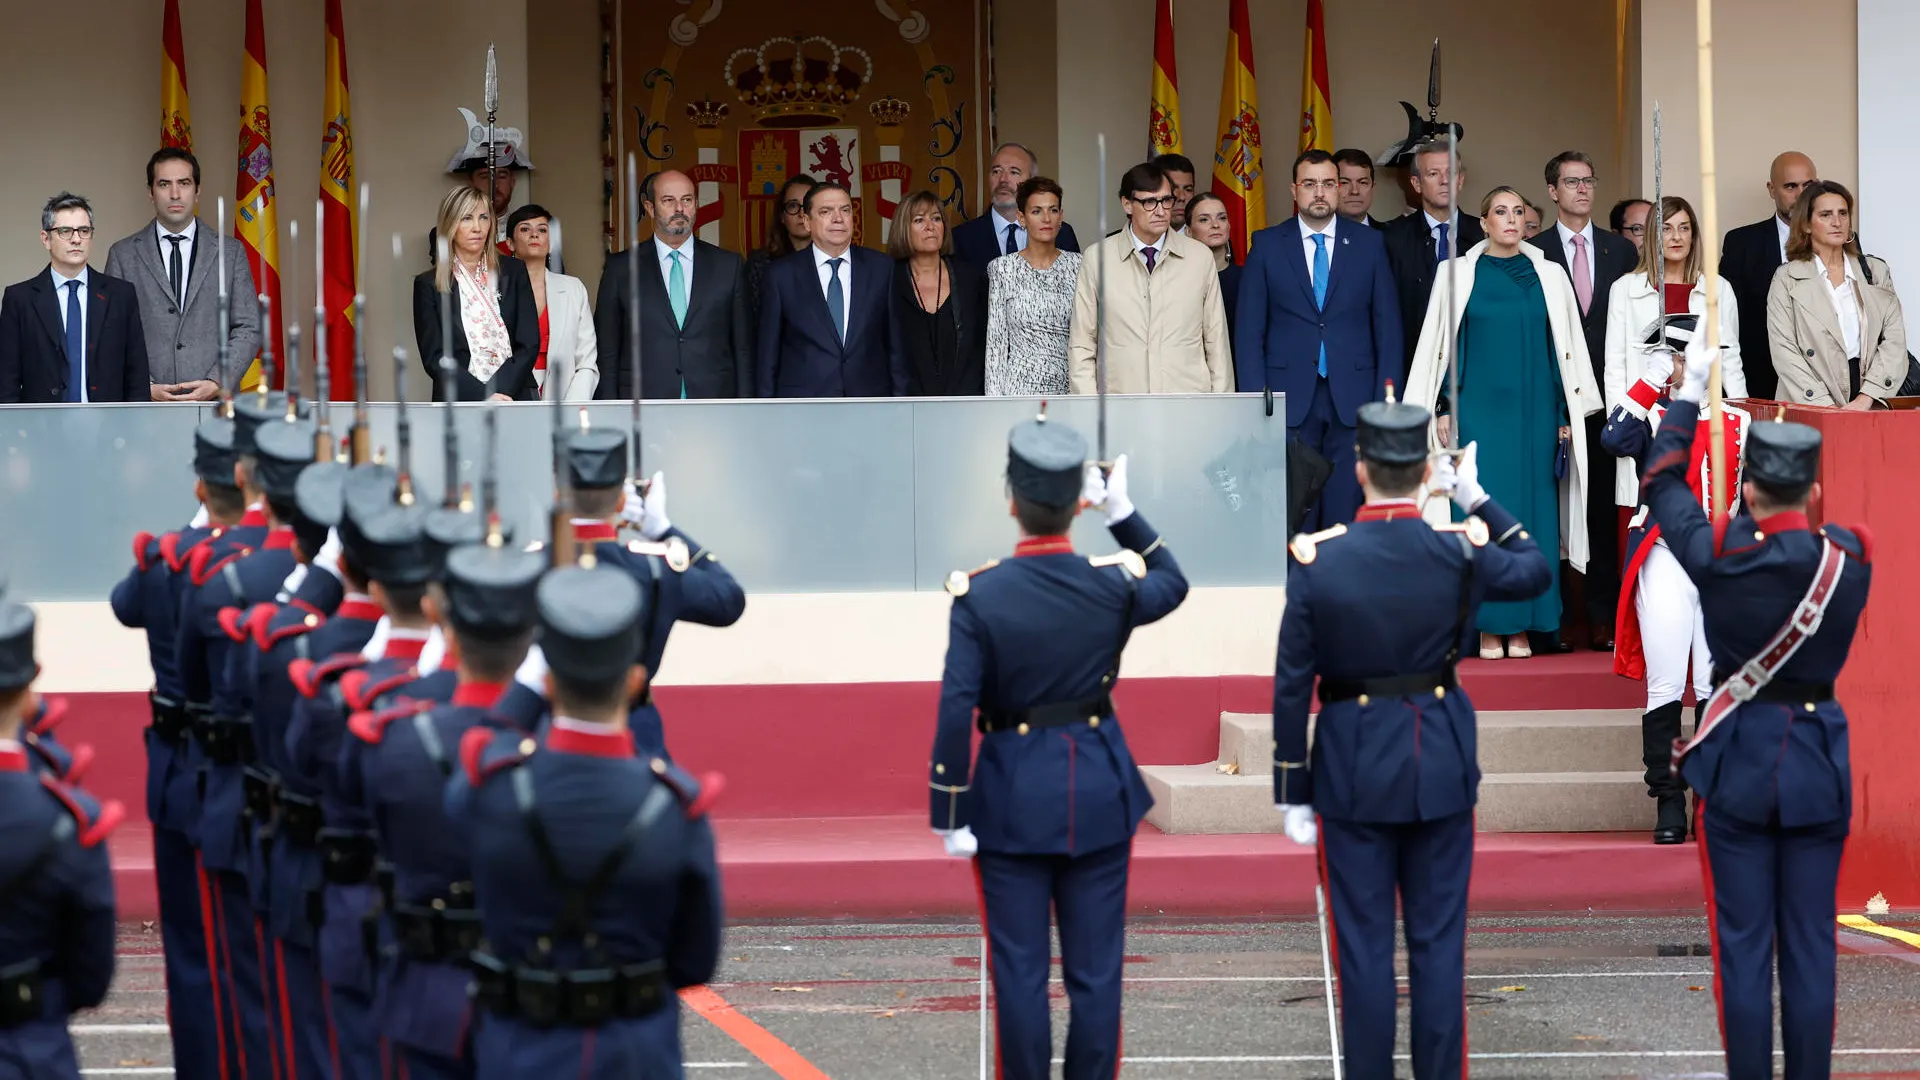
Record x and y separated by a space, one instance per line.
635 459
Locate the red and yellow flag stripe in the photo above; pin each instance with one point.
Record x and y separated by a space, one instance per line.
338 191
176 119
1316 88
1238 167
256 222
1163 119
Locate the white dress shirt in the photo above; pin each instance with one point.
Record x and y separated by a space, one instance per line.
1573 253
1433 230
1780 226
1139 246
666 263
1306 239
186 253
1846 303
60 301
820 258
1000 233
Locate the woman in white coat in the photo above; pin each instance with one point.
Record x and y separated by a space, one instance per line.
569 352
1525 386
1632 310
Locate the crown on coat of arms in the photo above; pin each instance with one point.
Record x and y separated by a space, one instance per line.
707 113
797 82
889 111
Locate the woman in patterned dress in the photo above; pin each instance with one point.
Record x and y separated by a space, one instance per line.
1030 302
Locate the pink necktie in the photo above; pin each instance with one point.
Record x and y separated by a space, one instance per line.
1582 276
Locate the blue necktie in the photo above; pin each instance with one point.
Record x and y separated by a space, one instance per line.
1320 270
837 300
76 344
1440 249
1011 246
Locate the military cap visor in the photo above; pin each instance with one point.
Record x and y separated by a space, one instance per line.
493 592
1045 462
249 416
283 451
1783 455
16 645
590 623
391 545
1392 433
597 458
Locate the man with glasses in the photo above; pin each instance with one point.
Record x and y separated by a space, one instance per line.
1750 256
173 273
1165 319
981 240
1594 259
1329 351
70 333
1629 219
848 346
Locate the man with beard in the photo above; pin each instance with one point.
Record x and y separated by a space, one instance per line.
989 236
1329 350
695 340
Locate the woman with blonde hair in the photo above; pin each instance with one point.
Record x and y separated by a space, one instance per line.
1525 385
496 326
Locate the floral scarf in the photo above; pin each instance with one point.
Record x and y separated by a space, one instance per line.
488 346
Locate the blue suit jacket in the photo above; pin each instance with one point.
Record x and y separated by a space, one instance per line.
981 240
1279 333
800 353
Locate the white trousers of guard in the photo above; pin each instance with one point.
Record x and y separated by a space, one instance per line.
1673 629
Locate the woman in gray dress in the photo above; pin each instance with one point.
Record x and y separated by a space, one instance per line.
1030 302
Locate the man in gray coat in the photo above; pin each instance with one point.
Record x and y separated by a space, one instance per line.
174 276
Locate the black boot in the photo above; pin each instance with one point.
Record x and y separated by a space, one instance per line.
1658 730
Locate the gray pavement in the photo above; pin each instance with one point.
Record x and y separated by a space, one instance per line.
1549 996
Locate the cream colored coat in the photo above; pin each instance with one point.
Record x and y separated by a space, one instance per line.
1166 331
573 353
1809 353
1631 309
1429 375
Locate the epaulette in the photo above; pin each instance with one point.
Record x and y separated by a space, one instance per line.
474 746
70 766
1861 536
371 727
94 826
673 551
52 711
141 543
1306 546
960 581
202 566
1126 559
170 551
266 636
307 676
1474 529
233 622
359 690
696 796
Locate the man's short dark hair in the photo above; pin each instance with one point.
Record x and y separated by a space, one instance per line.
1039 520
1565 157
573 697
405 599
1171 163
225 500
1315 156
1145 176
173 153
529 212
1781 497
596 502
1617 218
824 185
493 659
1037 185
1395 481
1356 158
66 200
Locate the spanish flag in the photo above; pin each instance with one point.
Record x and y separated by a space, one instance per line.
1238 169
1163 119
255 223
338 194
1316 90
176 120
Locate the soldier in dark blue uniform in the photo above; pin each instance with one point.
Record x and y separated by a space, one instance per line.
1378 611
593 867
149 598
1770 764
56 889
387 542
398 764
1033 650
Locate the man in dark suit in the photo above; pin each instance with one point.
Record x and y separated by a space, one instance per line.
1319 320
826 321
1356 188
989 236
69 333
1593 259
1417 242
695 341
1748 259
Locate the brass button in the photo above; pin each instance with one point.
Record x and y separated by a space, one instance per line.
313 620
527 746
439 904
1022 729
1810 707
939 770
1093 721
658 766
1439 692
1365 701
1523 535
1758 536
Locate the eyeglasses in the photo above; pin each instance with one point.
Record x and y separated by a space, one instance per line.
1634 230
1578 181
792 207
1164 202
1319 185
68 232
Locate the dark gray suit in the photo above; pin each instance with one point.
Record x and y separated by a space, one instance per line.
183 345
711 356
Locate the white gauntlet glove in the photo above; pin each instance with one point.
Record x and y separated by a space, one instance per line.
1108 493
1699 369
960 842
1300 826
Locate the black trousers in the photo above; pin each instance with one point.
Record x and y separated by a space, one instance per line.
1603 534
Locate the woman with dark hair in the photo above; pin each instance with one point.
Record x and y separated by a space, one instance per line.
1834 323
939 303
1207 222
788 233
1030 301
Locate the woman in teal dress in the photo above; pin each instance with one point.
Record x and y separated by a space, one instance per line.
1513 404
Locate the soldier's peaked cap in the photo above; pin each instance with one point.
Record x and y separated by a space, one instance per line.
249 416
1392 433
492 592
590 623
213 454
284 450
597 457
16 645
1783 455
1045 462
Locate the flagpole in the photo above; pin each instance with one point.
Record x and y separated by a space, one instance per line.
1708 237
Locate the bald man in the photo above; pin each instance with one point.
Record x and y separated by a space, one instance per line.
1750 256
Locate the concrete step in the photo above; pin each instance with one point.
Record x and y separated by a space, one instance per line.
1569 740
1202 799
1246 743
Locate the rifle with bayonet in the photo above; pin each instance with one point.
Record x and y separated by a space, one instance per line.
360 435
224 308
293 337
323 445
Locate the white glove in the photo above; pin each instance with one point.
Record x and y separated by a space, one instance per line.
654 523
376 646
1699 367
433 653
632 511
328 558
1108 493
1466 490
532 673
960 842
1300 826
200 517
1657 366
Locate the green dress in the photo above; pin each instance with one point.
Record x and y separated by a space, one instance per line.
1512 404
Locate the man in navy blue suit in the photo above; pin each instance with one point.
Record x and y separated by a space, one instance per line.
70 333
1319 319
989 236
826 323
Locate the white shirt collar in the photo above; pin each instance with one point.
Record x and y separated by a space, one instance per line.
1567 235
1000 226
190 232
1307 231
60 280
820 256
685 249
1432 222
1159 246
